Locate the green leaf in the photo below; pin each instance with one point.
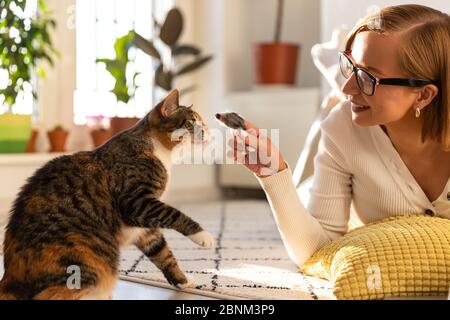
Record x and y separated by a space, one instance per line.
172 27
42 5
163 78
193 65
122 45
121 92
118 67
146 46
41 72
185 49
118 70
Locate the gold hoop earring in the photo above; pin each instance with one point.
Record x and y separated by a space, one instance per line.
417 112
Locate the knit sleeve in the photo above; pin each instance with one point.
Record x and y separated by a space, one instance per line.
301 233
302 230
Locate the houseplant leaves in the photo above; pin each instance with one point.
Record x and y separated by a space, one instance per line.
172 27
185 49
146 46
193 65
165 70
118 67
163 78
24 44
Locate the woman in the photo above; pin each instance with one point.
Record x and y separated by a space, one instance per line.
387 148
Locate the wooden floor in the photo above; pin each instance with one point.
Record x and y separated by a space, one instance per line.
135 291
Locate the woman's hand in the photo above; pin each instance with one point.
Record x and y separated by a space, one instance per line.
255 150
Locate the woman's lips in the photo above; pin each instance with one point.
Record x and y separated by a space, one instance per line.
359 108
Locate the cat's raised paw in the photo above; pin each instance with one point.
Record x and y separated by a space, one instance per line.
203 238
189 284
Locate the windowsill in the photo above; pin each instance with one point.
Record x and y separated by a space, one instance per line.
24 159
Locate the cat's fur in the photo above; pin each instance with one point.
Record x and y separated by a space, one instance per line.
79 210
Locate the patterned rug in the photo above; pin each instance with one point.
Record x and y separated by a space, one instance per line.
248 262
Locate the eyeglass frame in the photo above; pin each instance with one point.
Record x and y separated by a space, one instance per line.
410 82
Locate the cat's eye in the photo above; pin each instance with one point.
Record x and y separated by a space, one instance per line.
191 123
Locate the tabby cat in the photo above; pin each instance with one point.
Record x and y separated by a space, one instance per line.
79 210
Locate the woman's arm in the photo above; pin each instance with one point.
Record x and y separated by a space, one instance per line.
305 231
302 230
301 233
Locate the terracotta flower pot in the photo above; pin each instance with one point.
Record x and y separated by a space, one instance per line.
57 138
100 136
31 146
276 63
120 124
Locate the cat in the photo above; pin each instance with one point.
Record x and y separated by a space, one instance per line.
81 209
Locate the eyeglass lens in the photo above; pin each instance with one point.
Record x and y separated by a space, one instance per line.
365 82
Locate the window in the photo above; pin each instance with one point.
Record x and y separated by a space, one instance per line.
99 24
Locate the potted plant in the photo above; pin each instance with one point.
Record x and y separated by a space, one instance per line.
276 62
24 43
57 138
99 130
180 60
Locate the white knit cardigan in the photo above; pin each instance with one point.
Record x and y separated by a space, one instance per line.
354 165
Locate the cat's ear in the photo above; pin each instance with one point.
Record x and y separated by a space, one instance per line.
170 104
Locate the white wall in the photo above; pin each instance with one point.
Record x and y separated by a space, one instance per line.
247 22
338 12
301 25
229 28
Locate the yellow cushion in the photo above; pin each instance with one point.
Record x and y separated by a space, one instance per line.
396 257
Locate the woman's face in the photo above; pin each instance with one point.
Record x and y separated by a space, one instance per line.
378 54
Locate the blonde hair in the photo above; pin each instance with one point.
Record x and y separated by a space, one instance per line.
424 54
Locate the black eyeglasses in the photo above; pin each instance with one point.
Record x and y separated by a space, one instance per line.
367 82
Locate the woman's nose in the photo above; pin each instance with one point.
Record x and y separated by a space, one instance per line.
350 87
